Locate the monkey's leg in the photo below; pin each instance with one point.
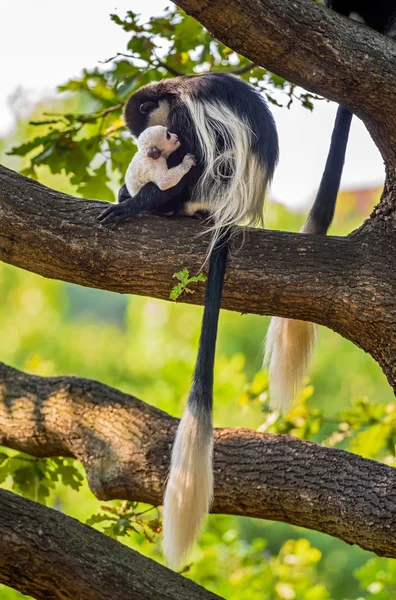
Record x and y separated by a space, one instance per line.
150 199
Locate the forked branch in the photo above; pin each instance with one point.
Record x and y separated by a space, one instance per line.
124 445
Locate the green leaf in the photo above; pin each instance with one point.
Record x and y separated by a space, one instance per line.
96 519
96 185
3 457
33 144
185 280
70 476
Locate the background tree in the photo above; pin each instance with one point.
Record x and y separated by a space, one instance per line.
123 443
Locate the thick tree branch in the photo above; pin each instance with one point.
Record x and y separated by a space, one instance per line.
322 279
124 445
46 554
315 48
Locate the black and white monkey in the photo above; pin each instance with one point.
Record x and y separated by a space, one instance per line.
290 343
226 124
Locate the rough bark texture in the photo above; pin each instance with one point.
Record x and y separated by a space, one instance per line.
347 284
46 554
124 445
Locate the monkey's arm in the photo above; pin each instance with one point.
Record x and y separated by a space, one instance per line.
166 178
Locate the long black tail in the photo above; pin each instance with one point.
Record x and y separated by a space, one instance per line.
322 211
290 344
189 489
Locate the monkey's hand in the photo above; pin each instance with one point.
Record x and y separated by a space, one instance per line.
150 200
123 194
189 161
127 210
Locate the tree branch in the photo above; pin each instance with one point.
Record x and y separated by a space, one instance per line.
275 273
46 554
124 445
315 48
57 236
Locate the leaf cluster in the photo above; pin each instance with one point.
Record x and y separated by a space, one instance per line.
184 280
36 478
254 573
123 518
364 428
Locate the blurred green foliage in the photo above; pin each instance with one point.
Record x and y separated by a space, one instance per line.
77 143
35 478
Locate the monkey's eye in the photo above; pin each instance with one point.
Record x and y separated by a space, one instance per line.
147 107
168 135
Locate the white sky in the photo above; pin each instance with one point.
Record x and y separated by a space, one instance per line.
45 42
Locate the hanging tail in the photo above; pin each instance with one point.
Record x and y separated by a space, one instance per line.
290 343
189 490
288 352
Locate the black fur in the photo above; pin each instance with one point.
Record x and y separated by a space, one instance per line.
202 386
242 98
381 16
322 211
247 104
378 14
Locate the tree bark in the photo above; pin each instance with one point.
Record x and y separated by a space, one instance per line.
46 554
124 445
327 280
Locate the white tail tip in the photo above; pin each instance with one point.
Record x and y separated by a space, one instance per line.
189 490
288 353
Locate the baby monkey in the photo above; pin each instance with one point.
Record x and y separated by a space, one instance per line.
149 164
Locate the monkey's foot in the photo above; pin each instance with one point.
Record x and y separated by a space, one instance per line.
126 210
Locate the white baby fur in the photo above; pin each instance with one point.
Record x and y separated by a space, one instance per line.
189 488
143 169
242 200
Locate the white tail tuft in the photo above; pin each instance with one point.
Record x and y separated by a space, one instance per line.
189 490
288 352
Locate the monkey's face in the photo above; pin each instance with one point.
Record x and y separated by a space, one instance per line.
148 107
170 142
160 138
